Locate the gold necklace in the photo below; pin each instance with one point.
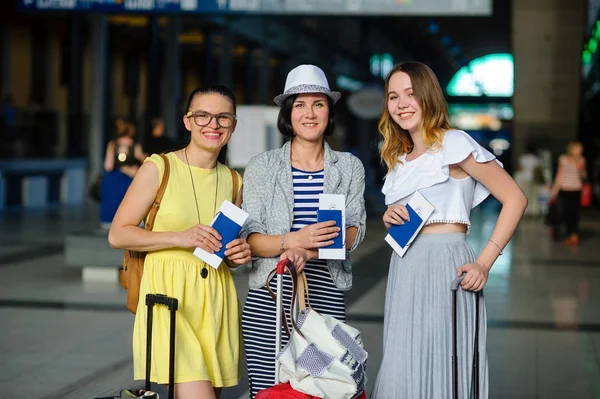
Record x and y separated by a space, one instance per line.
204 271
310 177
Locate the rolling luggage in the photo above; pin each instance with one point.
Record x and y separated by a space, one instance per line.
454 287
172 304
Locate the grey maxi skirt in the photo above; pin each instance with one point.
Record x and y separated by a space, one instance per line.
417 336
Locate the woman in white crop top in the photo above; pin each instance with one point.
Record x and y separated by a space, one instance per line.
454 173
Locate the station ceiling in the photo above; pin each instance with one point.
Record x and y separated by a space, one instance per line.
444 43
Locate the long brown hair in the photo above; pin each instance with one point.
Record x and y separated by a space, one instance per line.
434 123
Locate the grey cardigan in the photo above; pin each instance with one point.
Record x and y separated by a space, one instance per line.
269 200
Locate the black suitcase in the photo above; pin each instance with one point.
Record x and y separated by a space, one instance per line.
146 393
454 287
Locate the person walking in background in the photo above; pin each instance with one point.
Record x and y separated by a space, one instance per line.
454 173
281 196
567 189
530 177
122 160
208 338
158 143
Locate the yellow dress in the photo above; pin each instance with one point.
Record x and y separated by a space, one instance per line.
208 340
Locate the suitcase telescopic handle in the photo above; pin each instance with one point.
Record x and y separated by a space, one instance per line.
281 266
161 299
172 304
454 287
456 282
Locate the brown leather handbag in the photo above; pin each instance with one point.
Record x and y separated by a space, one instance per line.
133 261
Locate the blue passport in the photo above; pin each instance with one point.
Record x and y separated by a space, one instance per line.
402 233
325 215
229 231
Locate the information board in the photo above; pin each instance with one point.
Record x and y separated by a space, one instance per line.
306 7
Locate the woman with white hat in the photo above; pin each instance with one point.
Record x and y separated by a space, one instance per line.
281 196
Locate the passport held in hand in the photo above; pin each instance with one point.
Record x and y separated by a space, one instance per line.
228 222
400 236
333 207
325 215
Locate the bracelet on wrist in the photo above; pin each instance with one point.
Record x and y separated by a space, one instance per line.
498 246
281 244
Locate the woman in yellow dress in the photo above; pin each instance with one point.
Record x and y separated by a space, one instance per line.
207 354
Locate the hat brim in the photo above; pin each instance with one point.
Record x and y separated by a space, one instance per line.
303 89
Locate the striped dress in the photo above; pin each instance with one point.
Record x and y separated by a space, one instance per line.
258 317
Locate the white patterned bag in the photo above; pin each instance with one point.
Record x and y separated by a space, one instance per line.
324 357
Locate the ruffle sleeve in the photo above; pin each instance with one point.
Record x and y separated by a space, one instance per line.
433 167
458 146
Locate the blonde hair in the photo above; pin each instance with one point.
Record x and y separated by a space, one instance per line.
572 145
434 123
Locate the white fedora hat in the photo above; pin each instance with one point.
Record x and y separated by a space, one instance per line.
306 79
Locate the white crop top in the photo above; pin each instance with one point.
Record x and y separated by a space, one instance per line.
452 198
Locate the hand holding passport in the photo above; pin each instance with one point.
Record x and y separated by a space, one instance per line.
333 207
228 222
400 236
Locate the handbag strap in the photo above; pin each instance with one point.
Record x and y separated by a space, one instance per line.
159 195
291 270
236 184
302 290
303 296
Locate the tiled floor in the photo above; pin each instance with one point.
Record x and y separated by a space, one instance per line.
62 338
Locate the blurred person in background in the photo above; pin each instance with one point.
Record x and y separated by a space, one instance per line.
158 143
121 162
530 177
545 169
567 189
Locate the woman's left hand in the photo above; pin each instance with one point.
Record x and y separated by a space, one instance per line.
298 256
476 277
238 251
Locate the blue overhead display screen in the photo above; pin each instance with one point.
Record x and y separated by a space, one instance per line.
307 7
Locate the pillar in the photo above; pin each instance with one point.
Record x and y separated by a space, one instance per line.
5 51
75 78
546 41
172 105
98 116
209 74
250 79
265 76
226 59
153 80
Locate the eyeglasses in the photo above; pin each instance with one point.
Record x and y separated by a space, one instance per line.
203 118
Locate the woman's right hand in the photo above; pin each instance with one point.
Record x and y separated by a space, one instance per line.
200 236
395 214
314 236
